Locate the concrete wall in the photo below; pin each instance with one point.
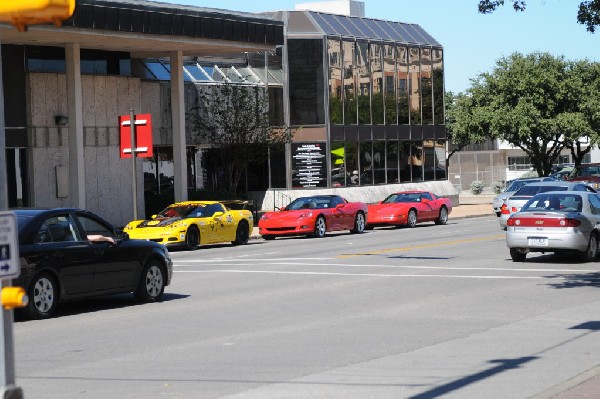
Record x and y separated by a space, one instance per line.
108 177
369 194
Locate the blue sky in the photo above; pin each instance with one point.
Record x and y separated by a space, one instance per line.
472 41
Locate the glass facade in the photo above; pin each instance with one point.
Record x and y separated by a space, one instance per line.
384 102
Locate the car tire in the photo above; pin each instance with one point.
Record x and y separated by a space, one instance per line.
268 237
192 238
43 297
359 223
517 255
242 233
152 282
443 217
591 253
320 227
411 219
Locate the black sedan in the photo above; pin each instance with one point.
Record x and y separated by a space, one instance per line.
70 254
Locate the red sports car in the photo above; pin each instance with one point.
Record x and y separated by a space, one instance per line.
314 216
408 208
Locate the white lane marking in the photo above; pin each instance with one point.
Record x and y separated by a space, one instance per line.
402 267
361 274
244 260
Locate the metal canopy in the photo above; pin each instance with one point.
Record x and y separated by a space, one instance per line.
365 28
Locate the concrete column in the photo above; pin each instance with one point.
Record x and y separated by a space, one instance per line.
178 117
75 107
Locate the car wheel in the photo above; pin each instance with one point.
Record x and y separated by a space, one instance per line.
241 234
591 253
359 223
43 297
152 282
443 217
192 238
268 237
320 227
411 220
518 255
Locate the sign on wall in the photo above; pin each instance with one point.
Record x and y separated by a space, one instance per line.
309 165
143 136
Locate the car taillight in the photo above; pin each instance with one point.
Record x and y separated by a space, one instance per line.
514 209
512 222
504 210
568 222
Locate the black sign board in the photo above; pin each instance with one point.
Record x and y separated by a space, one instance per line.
309 166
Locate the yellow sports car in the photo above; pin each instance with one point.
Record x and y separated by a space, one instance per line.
193 223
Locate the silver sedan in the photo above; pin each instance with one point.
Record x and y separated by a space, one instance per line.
556 221
514 203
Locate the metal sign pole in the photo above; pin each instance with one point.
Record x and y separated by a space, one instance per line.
133 157
7 357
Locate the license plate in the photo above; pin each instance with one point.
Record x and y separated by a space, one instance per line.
537 241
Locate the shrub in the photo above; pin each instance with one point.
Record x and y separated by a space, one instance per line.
497 187
531 173
477 187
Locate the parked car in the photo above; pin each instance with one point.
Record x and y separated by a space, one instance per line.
588 173
514 203
314 216
192 223
512 187
556 221
408 208
61 262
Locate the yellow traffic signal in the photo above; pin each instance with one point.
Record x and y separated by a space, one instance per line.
14 297
21 13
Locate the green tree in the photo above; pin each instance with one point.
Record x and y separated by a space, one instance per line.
580 126
538 103
234 119
462 125
588 13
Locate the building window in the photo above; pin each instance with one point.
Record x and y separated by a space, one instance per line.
519 163
305 63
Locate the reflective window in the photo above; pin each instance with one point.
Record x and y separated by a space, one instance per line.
435 159
414 86
197 73
416 160
334 50
379 162
403 85
349 84
306 81
352 170
364 83
438 86
426 86
389 82
366 163
338 164
277 165
391 167
16 174
377 82
405 166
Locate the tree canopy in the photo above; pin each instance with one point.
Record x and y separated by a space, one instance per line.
588 13
538 103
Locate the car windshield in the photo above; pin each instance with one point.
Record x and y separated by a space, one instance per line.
586 171
402 197
554 202
309 203
184 211
517 184
533 190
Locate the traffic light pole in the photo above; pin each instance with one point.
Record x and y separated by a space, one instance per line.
7 363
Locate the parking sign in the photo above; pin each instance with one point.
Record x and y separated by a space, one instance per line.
9 246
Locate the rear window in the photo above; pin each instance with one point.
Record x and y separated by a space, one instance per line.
554 203
529 191
586 171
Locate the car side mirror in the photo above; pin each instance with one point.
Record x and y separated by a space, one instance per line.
217 215
425 200
153 216
338 206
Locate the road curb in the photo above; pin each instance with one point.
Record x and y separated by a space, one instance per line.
561 390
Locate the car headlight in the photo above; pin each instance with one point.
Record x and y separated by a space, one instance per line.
264 217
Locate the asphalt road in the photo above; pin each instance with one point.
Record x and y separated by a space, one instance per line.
435 311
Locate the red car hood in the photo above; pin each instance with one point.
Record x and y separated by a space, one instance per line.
283 216
392 207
